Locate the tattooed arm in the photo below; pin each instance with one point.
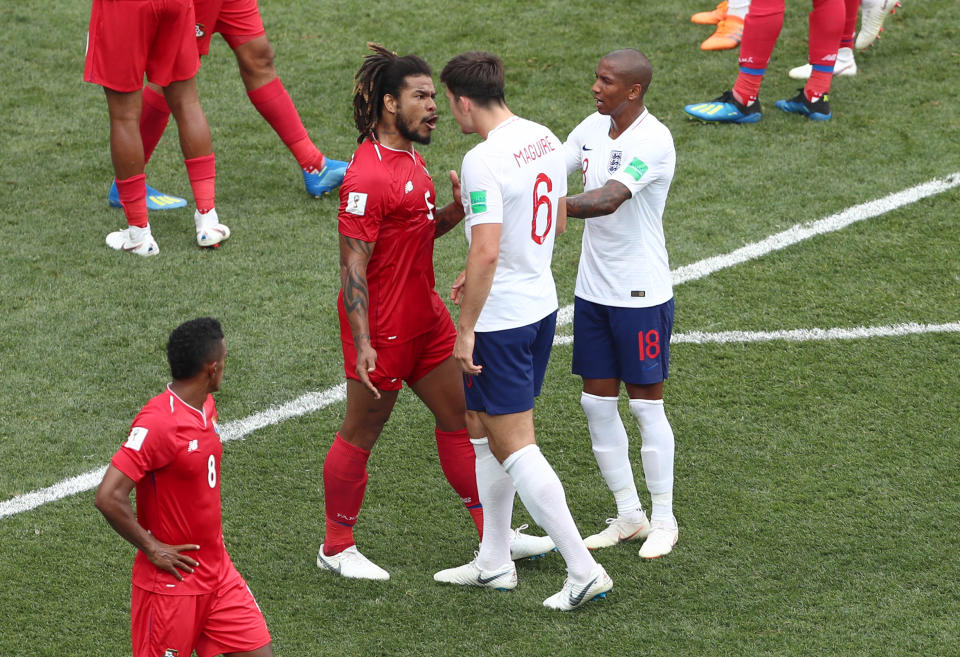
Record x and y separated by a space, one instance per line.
452 213
354 256
598 202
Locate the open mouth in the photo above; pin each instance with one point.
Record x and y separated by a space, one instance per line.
431 121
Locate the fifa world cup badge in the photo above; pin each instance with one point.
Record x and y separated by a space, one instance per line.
614 163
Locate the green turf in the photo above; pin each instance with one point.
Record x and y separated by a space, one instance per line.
816 482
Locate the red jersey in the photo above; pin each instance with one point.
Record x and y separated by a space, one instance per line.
173 453
387 197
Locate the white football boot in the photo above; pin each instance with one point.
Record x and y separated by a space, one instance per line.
872 15
501 579
525 546
619 530
134 240
350 563
662 538
846 65
210 232
576 594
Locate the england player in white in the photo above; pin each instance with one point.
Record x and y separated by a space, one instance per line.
623 310
512 186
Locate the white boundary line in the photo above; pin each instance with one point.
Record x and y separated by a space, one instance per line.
315 401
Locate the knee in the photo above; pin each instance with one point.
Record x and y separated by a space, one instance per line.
256 59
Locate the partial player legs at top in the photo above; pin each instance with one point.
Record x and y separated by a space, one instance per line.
240 24
845 64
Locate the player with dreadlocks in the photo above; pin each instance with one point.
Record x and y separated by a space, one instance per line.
393 325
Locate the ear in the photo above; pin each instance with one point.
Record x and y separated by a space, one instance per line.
390 103
636 91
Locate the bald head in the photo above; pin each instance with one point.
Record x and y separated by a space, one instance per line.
631 66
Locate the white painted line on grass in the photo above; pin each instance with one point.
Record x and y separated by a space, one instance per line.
800 335
235 430
314 401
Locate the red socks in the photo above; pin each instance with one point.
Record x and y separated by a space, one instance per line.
458 461
826 28
133 197
760 32
344 483
275 105
202 172
154 117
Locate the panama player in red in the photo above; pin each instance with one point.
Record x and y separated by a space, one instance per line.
394 326
240 24
153 38
187 594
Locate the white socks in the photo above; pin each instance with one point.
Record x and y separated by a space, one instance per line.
612 450
738 8
656 454
542 493
496 495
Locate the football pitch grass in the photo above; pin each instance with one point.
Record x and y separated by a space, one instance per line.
813 389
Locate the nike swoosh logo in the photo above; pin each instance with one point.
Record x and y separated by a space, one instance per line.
575 600
328 566
487 580
587 149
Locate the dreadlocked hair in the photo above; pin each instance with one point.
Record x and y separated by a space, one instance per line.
382 72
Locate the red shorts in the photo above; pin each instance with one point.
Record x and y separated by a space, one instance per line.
130 38
237 20
226 620
408 361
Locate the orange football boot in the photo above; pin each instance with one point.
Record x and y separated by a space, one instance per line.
711 17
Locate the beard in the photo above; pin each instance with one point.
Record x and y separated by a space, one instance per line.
408 130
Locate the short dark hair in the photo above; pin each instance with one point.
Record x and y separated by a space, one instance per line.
475 75
192 345
382 72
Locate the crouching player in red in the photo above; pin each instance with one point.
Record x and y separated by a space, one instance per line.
187 595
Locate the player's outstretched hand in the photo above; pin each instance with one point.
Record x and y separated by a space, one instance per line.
456 290
455 187
366 363
463 352
171 558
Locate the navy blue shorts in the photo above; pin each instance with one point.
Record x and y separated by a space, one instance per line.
514 363
629 344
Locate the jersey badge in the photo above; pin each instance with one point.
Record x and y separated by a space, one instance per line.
478 201
356 203
636 168
136 438
171 652
193 446
201 30
615 159
587 148
408 187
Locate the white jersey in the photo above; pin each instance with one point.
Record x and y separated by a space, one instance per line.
623 258
516 177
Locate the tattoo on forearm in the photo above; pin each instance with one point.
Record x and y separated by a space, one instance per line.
597 202
356 297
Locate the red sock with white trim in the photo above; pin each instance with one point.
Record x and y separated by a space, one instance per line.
458 461
344 483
